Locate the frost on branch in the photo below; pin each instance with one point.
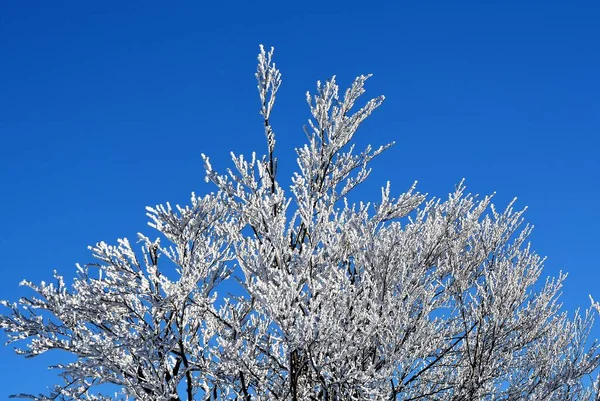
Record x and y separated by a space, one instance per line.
258 293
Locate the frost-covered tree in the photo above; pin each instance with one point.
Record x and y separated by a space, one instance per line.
259 292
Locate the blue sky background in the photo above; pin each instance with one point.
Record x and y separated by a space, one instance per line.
105 108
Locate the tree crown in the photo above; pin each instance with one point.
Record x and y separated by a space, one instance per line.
405 299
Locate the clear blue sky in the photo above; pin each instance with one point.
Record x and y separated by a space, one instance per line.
105 108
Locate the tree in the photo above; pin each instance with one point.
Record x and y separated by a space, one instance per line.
405 299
